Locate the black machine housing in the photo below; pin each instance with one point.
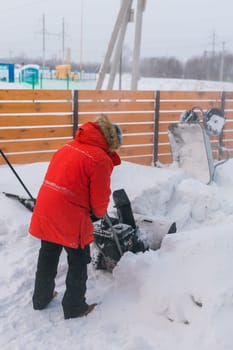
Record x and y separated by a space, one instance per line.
116 235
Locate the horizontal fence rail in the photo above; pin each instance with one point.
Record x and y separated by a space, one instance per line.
132 110
35 123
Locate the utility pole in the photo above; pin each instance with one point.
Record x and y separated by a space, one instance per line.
137 44
116 42
120 18
213 44
81 38
119 46
63 40
43 40
45 33
221 70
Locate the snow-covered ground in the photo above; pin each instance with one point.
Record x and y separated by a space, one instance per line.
180 295
143 84
174 84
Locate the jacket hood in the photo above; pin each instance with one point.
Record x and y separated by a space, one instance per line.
91 133
110 132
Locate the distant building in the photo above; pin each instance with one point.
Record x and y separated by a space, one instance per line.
7 72
30 74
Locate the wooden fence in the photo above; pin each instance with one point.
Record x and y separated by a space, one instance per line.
35 123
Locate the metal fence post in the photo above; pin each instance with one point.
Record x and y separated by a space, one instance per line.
75 112
156 126
220 138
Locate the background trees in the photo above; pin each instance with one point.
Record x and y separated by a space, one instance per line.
216 66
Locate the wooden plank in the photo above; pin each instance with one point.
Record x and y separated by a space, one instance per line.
134 151
228 125
137 139
120 117
116 95
163 138
163 127
228 114
186 105
137 128
228 143
143 160
115 106
228 134
213 139
164 148
228 104
30 146
165 159
29 133
33 120
35 107
229 95
169 116
35 94
27 158
175 115
190 95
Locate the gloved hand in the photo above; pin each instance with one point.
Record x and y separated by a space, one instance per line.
94 218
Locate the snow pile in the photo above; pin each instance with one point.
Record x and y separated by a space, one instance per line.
180 294
172 84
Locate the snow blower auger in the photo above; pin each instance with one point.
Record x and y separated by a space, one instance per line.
190 143
29 203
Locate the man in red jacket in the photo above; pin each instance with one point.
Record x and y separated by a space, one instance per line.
76 185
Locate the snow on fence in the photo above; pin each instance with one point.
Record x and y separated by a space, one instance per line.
35 123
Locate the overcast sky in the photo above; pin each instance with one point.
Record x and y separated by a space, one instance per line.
180 28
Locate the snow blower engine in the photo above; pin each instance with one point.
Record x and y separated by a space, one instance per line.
116 235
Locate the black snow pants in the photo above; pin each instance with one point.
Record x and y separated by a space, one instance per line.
74 301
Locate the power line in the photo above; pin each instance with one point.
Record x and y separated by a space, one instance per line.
45 33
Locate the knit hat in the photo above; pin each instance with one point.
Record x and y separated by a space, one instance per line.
119 133
112 132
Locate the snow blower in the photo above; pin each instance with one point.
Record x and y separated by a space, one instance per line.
116 235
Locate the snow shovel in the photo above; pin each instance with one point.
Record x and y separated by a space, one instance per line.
29 203
190 143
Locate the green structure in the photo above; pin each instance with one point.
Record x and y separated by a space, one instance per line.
30 74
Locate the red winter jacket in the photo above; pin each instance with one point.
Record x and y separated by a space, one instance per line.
77 182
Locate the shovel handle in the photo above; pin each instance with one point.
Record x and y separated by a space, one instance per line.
15 173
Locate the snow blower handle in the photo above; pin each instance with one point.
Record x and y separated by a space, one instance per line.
109 222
